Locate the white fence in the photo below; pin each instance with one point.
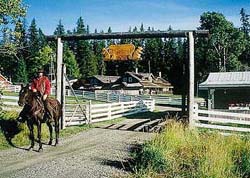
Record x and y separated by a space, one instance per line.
223 121
12 88
90 113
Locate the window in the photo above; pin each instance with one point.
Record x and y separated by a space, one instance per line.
130 79
125 79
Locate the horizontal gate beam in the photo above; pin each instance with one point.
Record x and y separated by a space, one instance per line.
129 35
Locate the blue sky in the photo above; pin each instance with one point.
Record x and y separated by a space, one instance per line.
120 14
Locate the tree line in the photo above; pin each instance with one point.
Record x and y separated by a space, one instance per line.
24 49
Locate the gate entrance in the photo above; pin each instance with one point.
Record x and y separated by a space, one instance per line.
189 34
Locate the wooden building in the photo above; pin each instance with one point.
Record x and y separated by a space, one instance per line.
225 89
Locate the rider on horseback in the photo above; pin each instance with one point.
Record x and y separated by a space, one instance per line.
41 85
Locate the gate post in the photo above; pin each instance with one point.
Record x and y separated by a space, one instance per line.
191 76
59 61
63 98
59 74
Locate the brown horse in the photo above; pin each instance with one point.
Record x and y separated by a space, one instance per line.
34 113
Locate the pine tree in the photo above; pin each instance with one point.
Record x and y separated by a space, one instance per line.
33 38
85 57
59 29
72 68
33 44
98 45
20 74
245 24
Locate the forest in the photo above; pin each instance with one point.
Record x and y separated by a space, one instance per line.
24 49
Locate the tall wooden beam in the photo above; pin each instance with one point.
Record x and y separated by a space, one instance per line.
191 75
59 69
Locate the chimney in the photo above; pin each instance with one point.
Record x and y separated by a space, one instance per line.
160 74
136 70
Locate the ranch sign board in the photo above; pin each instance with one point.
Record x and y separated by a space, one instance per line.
122 52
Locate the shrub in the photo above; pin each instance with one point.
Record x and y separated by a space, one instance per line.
184 152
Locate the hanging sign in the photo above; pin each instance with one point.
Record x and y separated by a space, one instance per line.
122 52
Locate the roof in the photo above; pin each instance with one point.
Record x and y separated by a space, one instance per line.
141 76
226 80
131 84
107 79
149 85
162 82
4 80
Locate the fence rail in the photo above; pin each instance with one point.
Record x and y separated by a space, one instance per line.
223 121
108 111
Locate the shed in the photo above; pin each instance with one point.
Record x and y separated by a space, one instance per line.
227 88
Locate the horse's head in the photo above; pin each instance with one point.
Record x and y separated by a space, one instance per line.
23 95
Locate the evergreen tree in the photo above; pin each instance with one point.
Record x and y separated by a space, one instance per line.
245 28
33 38
41 38
72 68
33 48
98 45
85 57
59 29
21 72
245 24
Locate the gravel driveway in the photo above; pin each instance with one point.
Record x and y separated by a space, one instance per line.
93 153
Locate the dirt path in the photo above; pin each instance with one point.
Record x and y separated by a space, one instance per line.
93 153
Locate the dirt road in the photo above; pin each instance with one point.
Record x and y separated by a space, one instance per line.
93 153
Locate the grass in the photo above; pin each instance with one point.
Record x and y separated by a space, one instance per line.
17 135
184 152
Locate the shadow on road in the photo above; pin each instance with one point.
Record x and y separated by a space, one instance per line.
9 129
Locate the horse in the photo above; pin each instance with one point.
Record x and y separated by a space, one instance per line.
35 114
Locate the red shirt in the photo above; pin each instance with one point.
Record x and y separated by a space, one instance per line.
42 85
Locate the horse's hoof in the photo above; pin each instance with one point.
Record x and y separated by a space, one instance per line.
40 149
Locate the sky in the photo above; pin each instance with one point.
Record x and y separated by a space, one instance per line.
121 14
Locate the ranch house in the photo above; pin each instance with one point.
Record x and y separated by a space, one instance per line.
4 81
100 82
227 90
144 83
132 83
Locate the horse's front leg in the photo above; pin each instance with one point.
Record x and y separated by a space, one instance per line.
39 129
57 130
50 132
31 128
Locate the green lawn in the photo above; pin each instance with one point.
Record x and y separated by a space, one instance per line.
18 134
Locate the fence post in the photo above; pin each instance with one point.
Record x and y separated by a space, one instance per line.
90 112
193 119
109 111
63 93
153 105
122 107
107 97
95 95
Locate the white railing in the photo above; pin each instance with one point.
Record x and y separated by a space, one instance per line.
223 121
108 111
12 88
